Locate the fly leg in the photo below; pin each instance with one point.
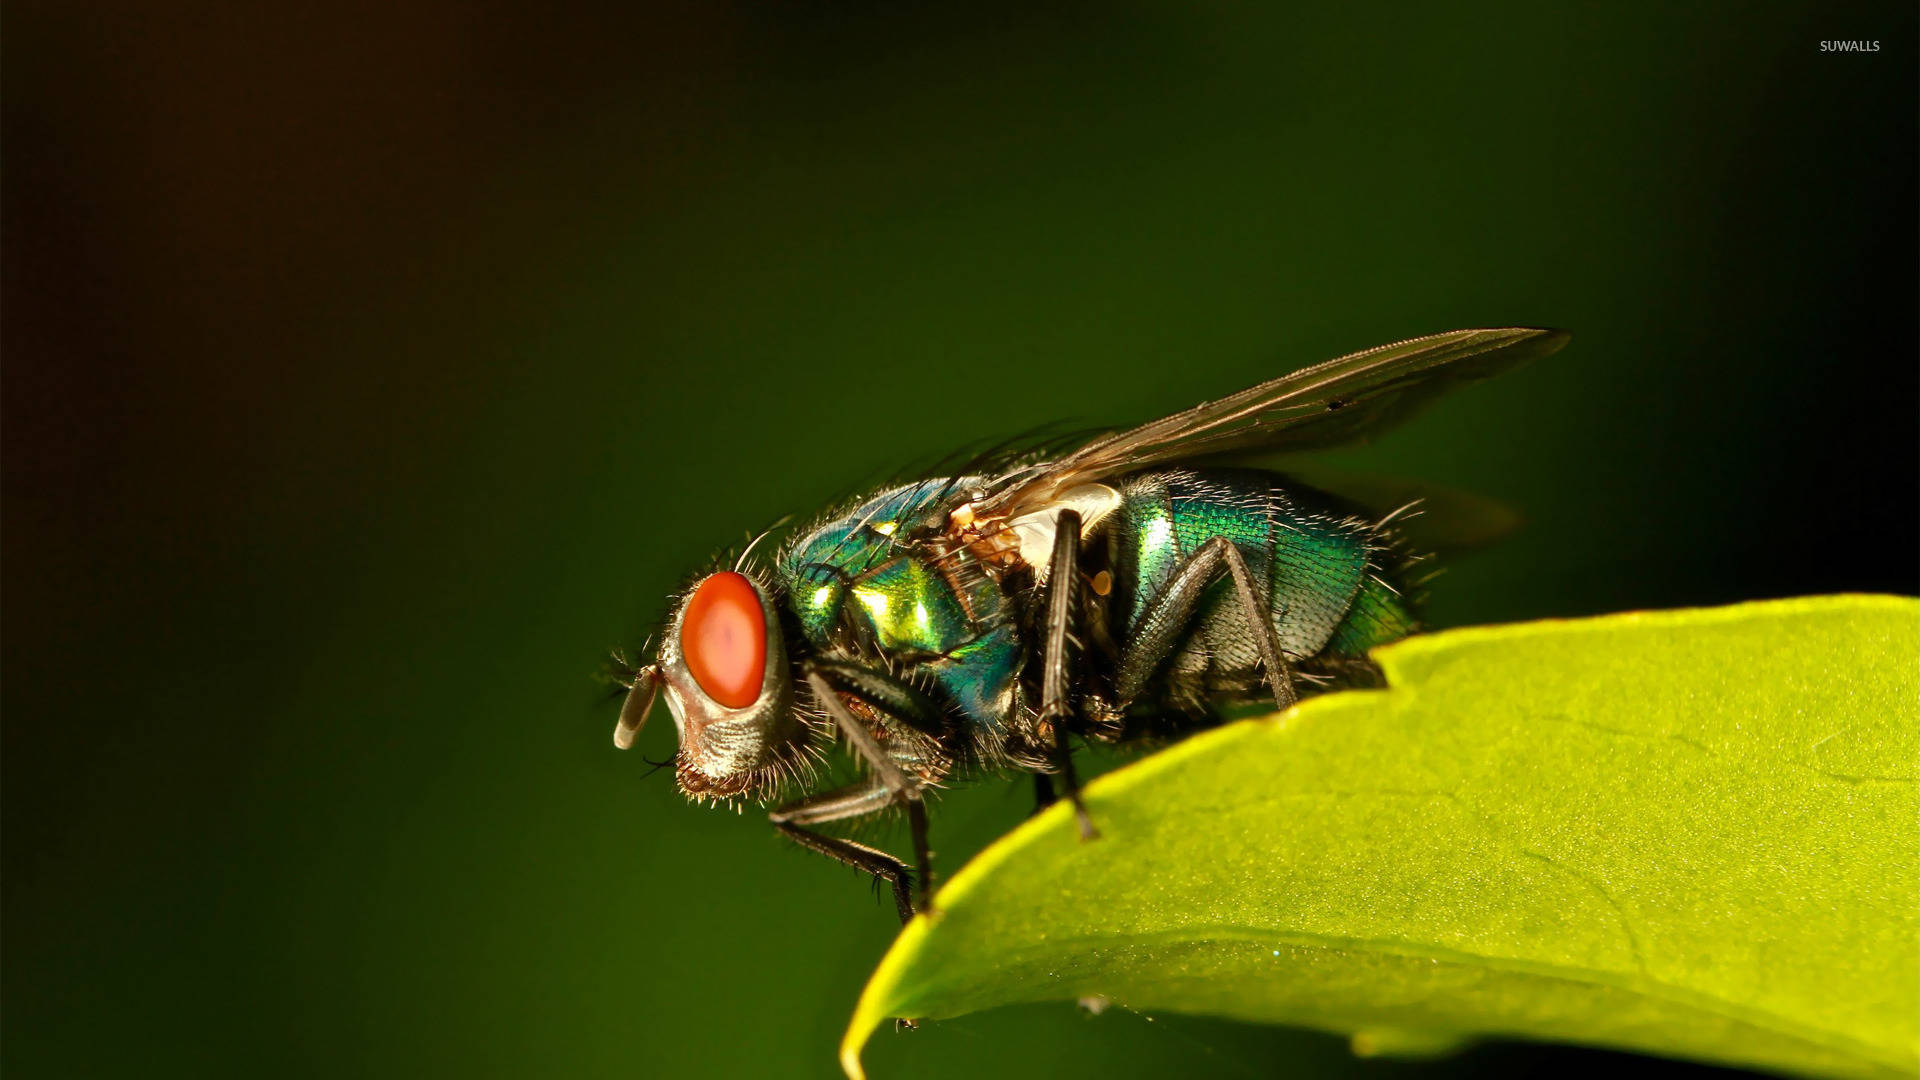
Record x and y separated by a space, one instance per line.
1063 573
894 698
1043 795
854 801
886 694
1160 629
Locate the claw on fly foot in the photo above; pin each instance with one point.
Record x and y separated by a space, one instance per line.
1087 831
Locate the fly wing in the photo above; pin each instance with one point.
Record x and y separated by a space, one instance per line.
1341 401
1434 520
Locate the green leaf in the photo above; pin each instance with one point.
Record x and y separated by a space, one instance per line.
1689 833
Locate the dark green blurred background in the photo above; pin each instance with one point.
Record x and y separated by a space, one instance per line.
370 369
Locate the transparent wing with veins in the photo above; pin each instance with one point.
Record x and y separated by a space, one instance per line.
1342 401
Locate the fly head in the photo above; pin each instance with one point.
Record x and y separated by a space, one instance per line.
723 669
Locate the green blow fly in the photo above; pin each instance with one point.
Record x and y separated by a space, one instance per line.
973 623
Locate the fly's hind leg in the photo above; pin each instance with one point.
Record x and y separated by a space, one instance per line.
1160 629
882 691
1063 573
848 802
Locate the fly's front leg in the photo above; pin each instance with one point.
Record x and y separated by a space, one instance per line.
893 695
855 801
1063 573
1043 795
1160 628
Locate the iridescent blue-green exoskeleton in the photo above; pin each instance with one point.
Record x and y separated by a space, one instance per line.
973 623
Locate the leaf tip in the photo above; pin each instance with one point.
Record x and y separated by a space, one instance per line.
866 1017
876 1003
850 1057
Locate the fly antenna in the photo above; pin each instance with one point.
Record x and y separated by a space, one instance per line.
633 713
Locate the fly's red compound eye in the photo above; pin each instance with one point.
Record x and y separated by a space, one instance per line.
723 636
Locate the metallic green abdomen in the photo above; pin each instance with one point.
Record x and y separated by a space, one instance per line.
1319 563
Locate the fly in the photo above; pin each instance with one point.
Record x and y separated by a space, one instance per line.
973 624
